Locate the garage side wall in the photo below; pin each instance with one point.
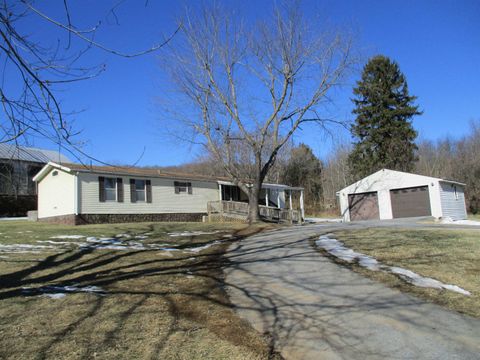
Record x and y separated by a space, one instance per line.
453 201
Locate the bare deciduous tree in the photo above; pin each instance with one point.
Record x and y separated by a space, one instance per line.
35 67
250 87
455 159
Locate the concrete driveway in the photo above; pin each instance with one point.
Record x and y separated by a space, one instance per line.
316 309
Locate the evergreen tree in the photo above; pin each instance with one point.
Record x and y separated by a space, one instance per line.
383 129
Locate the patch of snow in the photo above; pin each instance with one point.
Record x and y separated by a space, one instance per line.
58 292
55 295
337 249
123 236
141 237
203 247
456 289
67 237
192 233
23 248
55 242
415 279
450 221
369 262
13 218
168 249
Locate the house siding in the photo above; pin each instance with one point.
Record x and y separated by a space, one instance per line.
452 206
56 194
164 199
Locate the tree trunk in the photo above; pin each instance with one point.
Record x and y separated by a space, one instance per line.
253 212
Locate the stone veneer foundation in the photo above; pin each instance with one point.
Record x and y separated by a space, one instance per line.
122 218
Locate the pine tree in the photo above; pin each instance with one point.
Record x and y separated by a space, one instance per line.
383 129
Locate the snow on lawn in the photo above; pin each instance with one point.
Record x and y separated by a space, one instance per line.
450 221
337 249
23 248
61 237
203 247
58 292
119 242
192 233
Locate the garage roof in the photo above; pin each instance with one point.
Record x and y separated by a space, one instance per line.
392 179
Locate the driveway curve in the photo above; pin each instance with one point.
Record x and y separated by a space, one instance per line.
316 309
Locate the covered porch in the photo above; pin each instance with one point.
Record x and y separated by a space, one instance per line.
277 202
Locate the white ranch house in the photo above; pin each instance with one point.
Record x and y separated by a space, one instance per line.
77 194
389 194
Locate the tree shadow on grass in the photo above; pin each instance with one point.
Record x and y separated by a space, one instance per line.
288 304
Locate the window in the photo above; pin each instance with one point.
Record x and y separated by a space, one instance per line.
140 190
183 187
230 193
110 189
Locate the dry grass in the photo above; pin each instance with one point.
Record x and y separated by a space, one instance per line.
475 217
451 256
331 214
155 307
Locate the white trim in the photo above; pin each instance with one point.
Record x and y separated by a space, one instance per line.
75 195
46 169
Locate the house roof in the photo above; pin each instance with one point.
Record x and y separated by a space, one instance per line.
124 170
386 173
135 171
22 153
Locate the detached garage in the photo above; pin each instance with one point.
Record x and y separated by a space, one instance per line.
389 194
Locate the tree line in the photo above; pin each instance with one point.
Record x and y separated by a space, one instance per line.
383 137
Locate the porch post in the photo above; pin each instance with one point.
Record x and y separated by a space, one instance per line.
301 205
278 199
290 199
266 196
220 192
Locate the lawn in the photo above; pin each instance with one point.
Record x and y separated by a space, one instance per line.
451 256
152 292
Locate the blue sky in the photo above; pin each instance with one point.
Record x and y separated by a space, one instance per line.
436 43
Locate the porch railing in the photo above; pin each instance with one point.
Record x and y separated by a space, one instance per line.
241 209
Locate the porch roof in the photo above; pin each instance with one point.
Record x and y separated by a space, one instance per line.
268 186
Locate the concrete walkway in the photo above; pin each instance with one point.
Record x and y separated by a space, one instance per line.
316 309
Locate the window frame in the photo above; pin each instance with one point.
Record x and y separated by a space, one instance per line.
115 188
180 185
144 191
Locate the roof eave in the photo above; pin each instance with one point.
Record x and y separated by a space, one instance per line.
46 169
